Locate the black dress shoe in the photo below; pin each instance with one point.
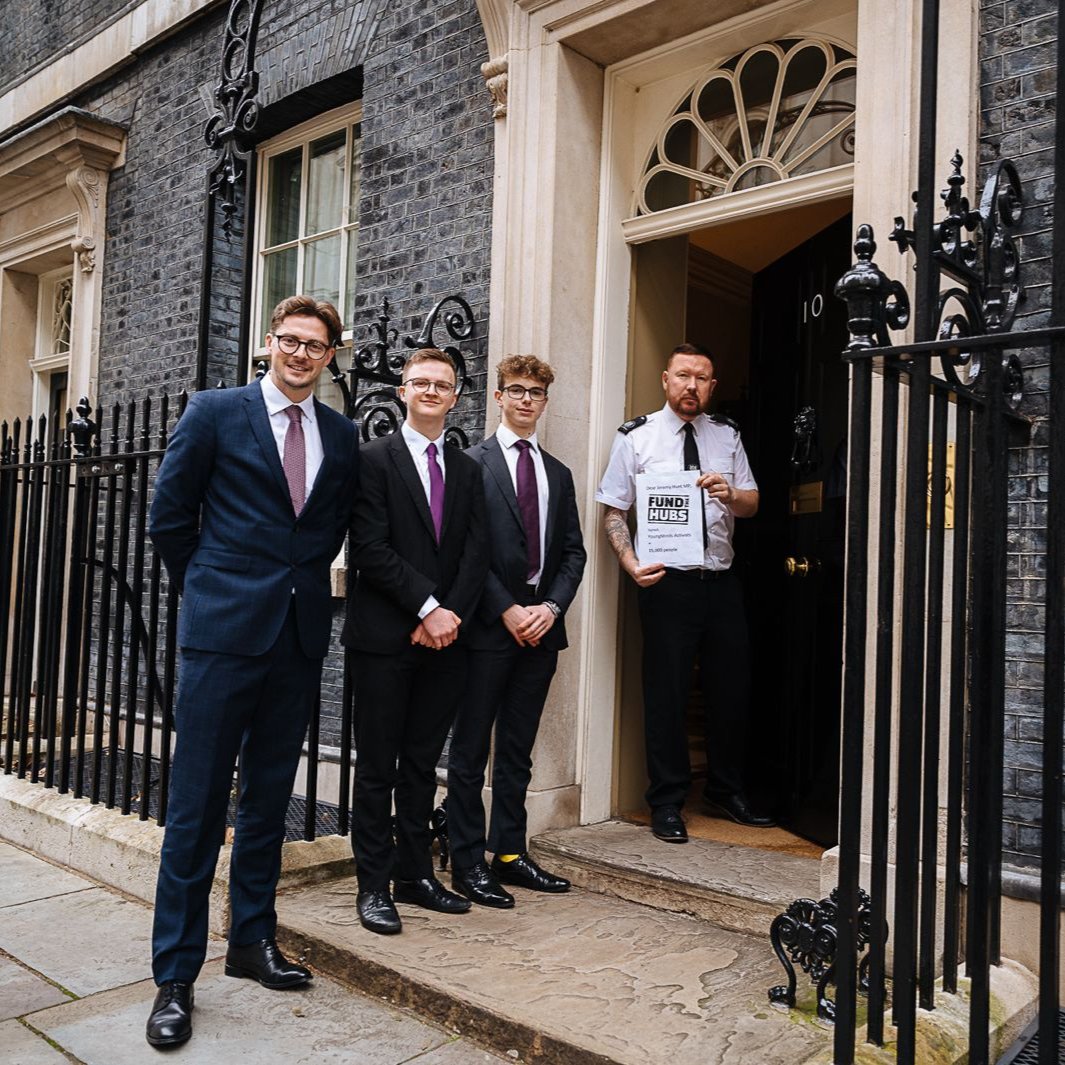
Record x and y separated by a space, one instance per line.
735 808
377 913
524 872
430 894
263 961
668 825
479 885
170 1022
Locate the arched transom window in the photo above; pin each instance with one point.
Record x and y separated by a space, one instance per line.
776 111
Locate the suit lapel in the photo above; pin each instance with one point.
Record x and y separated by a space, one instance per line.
554 494
255 406
452 475
500 471
329 456
404 463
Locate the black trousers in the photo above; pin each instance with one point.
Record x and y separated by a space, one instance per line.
404 706
258 705
685 620
508 688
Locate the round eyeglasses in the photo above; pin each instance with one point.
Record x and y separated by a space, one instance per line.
537 395
290 344
422 384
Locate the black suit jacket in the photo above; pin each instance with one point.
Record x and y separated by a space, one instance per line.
564 554
395 552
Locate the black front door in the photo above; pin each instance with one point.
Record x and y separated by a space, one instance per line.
793 550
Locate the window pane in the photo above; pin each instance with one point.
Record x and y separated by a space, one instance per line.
62 304
349 295
321 269
283 210
356 174
325 182
279 281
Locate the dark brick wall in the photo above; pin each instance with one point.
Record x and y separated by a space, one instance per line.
1017 43
34 32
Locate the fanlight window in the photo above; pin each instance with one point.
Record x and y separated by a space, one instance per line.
778 110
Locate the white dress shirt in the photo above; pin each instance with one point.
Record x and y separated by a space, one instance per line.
276 405
417 445
657 446
507 440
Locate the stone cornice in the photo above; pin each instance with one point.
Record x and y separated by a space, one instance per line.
68 139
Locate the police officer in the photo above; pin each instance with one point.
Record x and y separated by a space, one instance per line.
693 612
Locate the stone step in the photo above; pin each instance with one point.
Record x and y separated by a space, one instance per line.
735 887
570 979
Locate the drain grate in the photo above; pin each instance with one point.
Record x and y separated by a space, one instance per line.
1025 1051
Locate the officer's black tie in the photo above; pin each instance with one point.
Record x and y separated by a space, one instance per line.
691 462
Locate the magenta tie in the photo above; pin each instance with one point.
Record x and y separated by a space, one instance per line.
529 504
295 460
436 490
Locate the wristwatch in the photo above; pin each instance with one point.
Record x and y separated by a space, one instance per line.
553 607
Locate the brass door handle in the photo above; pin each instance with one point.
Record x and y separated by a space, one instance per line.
801 567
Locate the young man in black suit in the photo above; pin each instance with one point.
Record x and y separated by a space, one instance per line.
418 544
537 560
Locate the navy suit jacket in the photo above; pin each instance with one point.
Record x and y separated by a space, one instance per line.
564 554
394 548
222 521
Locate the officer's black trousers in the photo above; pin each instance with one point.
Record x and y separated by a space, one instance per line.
685 620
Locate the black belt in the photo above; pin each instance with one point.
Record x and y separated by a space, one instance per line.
697 574
529 595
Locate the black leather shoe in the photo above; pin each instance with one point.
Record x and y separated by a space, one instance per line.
377 913
430 894
735 808
524 872
668 825
170 1022
263 961
479 885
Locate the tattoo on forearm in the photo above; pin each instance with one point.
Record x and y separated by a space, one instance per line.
617 531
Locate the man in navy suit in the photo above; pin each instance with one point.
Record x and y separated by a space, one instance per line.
251 505
537 560
418 543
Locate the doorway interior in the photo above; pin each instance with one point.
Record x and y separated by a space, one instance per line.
758 293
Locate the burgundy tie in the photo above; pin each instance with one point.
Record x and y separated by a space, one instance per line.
295 460
436 490
529 504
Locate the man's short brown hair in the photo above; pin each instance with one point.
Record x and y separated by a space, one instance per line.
689 349
524 366
309 307
430 355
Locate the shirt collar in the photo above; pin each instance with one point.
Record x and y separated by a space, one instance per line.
674 422
419 443
508 438
277 401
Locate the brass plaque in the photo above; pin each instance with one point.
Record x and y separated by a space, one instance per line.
948 502
806 498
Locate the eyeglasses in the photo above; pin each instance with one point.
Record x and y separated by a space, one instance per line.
422 384
290 345
537 395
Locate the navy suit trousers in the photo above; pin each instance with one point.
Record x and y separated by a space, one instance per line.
257 706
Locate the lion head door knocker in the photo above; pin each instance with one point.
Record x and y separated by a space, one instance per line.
804 443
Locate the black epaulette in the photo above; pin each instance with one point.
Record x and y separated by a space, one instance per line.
632 423
724 419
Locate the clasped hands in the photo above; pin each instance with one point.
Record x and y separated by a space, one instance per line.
528 624
438 629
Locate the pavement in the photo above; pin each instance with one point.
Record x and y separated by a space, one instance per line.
75 987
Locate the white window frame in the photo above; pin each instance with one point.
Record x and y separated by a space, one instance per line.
301 135
46 362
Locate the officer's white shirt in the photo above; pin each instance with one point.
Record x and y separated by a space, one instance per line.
507 439
657 446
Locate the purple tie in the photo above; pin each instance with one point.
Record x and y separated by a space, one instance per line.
436 490
295 460
529 504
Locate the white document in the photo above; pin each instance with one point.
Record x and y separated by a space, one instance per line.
669 520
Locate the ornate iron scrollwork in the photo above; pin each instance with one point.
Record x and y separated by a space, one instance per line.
805 934
231 130
974 248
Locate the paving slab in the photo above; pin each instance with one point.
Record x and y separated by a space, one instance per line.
736 887
237 1020
572 978
22 991
20 1046
108 943
25 877
458 1052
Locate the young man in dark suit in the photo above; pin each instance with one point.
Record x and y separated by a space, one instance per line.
537 560
418 544
251 505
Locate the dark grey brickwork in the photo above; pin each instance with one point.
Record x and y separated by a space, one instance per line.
1017 121
31 34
